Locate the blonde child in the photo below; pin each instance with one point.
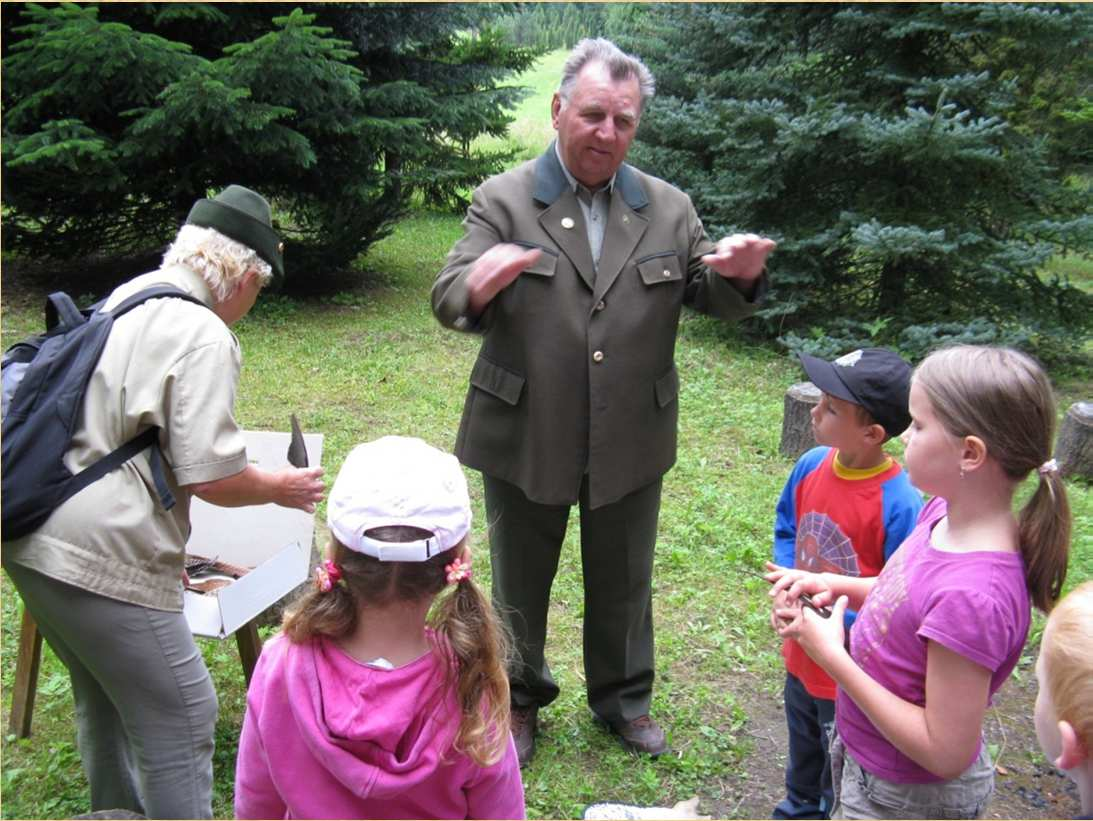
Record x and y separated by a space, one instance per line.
1064 705
367 706
941 628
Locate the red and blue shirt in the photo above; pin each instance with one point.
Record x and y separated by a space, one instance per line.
835 519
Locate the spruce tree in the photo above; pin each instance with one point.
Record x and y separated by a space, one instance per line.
894 151
118 117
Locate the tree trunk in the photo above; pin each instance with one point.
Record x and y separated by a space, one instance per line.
392 164
892 289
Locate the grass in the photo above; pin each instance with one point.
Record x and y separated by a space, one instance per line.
531 129
372 361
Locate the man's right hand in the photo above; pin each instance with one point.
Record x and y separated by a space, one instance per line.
494 271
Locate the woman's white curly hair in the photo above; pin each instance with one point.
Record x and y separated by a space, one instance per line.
222 262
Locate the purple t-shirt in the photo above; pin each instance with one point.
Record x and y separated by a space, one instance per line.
975 604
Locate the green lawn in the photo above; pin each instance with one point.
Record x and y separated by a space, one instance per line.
373 361
531 130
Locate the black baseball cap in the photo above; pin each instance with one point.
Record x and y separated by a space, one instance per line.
875 378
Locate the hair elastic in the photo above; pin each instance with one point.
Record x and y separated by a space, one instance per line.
457 571
1050 466
327 575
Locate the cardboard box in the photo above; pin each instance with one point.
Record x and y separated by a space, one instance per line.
275 541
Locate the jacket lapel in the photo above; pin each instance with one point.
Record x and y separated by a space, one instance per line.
625 228
552 190
572 240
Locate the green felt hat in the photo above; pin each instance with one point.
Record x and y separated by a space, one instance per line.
240 214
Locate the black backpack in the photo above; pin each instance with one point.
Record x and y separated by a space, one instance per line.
44 380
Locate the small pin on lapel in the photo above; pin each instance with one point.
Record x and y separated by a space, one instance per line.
567 222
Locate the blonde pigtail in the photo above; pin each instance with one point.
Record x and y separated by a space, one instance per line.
328 612
466 622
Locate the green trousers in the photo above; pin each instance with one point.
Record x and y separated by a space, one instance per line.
617 545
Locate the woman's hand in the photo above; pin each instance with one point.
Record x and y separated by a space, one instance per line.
823 639
301 488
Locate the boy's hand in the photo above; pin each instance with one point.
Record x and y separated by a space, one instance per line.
821 638
780 603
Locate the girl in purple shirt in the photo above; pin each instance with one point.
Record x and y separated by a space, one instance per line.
941 628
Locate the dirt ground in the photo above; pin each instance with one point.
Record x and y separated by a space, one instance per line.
1025 785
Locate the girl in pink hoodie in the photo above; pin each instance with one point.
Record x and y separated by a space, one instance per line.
373 702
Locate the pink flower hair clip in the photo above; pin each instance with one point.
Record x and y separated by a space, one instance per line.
458 571
327 575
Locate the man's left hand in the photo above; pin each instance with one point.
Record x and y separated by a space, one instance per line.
740 256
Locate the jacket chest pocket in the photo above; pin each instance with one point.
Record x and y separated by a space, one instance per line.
659 269
547 262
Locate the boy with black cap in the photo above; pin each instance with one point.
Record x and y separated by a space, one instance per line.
845 509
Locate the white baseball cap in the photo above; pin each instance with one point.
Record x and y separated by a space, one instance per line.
399 480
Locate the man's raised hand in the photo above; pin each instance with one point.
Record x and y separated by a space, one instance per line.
740 256
494 271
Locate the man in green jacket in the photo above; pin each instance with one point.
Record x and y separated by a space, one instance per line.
574 268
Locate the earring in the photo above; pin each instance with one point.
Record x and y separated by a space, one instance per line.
961 473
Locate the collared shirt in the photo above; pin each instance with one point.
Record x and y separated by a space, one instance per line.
594 206
167 363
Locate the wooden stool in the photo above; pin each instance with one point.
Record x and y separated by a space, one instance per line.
30 656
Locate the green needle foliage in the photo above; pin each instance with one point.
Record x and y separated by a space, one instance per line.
912 171
118 117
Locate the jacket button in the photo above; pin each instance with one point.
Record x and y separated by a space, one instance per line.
667 273
597 356
601 305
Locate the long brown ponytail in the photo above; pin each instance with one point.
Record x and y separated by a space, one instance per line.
1004 397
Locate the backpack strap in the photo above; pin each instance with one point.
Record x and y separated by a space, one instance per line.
147 439
153 292
116 458
61 310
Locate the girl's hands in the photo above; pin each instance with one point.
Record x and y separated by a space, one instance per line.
821 638
789 583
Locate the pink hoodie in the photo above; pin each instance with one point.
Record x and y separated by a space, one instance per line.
328 737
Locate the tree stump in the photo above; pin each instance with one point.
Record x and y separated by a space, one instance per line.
1074 447
797 419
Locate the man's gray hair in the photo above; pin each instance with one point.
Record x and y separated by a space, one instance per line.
620 65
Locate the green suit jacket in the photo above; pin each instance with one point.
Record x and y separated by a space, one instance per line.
576 372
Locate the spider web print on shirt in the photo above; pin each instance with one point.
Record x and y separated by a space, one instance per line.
823 547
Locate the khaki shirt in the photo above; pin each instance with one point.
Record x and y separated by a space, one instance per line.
167 363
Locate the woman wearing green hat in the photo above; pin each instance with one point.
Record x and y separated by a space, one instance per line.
102 576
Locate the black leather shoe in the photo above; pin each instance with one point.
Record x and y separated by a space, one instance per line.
639 735
525 723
